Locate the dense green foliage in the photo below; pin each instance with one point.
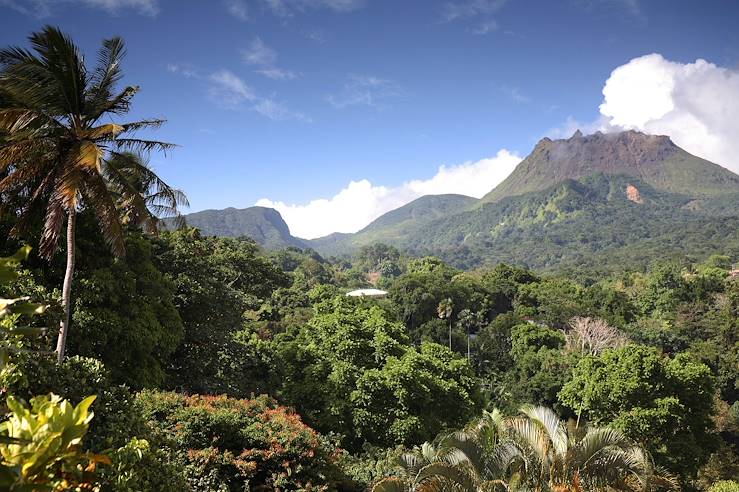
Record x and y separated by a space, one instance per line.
651 355
215 281
353 371
666 404
230 444
125 314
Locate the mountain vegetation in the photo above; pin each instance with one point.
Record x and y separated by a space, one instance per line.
592 203
205 363
264 225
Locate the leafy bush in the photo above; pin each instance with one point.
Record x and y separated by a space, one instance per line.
725 486
74 379
235 445
41 446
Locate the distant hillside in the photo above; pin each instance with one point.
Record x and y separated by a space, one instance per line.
653 159
264 225
596 201
396 224
598 221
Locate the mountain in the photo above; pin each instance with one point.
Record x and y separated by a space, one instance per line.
654 159
600 202
596 202
396 224
265 225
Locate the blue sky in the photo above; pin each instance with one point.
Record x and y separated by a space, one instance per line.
292 100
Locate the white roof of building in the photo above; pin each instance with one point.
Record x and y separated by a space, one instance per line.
367 293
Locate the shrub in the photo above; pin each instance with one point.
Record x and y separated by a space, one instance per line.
233 444
135 466
41 446
725 486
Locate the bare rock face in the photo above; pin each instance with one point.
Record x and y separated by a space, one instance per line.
632 193
605 152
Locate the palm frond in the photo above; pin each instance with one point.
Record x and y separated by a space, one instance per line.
551 425
52 228
141 146
391 484
105 77
65 64
101 202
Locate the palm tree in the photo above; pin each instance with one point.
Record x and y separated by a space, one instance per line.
54 144
142 197
431 468
542 453
533 452
445 310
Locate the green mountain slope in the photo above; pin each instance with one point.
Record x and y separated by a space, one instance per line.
586 222
264 225
653 159
396 224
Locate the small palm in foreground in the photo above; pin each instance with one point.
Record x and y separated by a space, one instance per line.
535 451
54 144
544 453
431 468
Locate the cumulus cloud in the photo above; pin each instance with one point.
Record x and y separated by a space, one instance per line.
696 104
361 202
46 8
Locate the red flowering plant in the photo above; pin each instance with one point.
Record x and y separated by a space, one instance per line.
234 444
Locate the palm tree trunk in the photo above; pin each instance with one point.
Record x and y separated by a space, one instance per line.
468 344
61 341
450 332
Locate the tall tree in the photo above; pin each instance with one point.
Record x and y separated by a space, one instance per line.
53 144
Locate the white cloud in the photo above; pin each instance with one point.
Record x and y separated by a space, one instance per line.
286 8
46 8
259 53
631 7
478 12
515 94
228 90
276 73
278 112
238 9
361 202
186 70
696 104
364 90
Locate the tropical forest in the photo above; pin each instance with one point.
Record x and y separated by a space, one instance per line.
573 328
